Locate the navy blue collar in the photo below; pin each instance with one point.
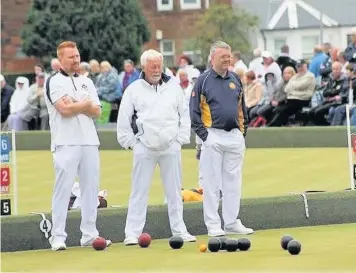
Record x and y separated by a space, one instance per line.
164 79
216 75
66 74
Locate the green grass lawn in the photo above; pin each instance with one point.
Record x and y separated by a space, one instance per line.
267 172
324 248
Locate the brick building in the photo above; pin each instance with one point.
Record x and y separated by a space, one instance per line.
171 23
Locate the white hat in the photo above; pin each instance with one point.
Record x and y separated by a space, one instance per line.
21 79
1 78
266 54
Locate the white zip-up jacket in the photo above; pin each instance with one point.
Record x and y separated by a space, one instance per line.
161 115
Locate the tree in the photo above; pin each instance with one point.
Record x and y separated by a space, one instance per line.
221 22
103 29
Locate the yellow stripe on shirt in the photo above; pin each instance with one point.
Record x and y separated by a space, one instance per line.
240 116
205 112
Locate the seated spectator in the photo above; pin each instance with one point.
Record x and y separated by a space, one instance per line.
331 56
299 89
37 101
129 75
335 94
338 117
253 92
270 85
6 93
19 107
350 51
284 60
279 98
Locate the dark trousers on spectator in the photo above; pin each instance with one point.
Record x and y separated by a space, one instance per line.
318 113
283 112
339 115
266 111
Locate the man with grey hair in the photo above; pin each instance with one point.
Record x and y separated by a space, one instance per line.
219 117
154 122
84 69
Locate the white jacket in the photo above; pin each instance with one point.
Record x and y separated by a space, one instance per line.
162 115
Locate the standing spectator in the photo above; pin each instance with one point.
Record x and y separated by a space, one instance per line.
55 65
270 66
285 60
109 88
256 65
317 60
341 59
37 101
6 93
129 75
350 51
94 70
84 69
237 62
331 56
19 105
38 68
299 89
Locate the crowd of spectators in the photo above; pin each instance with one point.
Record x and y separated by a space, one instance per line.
279 91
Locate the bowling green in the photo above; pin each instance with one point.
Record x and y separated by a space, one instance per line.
324 248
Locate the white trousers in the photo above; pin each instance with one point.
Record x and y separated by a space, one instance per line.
70 162
221 163
198 141
144 163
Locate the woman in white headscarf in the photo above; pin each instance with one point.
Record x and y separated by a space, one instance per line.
19 104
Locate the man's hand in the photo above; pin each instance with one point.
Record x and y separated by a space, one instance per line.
274 103
198 152
67 100
337 98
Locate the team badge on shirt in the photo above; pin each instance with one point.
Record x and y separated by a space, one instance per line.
193 93
84 87
232 85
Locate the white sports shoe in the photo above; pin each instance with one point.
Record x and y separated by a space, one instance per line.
89 243
239 229
216 233
130 241
187 237
59 246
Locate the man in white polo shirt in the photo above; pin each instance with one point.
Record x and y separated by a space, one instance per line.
72 103
154 122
